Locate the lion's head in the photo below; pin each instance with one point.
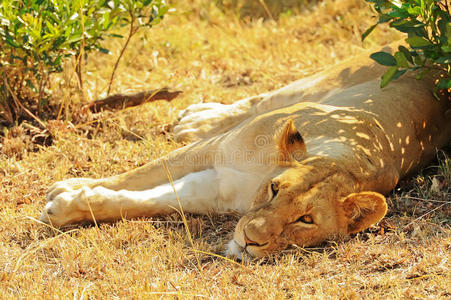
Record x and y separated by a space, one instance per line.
305 201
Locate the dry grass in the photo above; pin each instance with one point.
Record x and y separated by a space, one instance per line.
210 57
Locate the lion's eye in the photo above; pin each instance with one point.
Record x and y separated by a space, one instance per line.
307 219
274 189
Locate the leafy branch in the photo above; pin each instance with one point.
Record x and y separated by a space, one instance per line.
37 36
138 15
428 28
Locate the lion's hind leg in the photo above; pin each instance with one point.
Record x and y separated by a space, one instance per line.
197 193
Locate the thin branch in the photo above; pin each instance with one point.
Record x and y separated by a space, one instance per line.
267 11
41 87
6 112
445 5
428 200
17 102
79 73
120 101
132 31
79 59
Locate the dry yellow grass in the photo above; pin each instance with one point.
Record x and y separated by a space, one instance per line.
211 57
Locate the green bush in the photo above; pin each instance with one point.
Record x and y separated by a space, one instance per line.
428 28
36 36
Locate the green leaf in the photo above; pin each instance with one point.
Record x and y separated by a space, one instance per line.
384 19
444 60
421 74
74 39
103 50
434 93
401 60
383 58
116 35
399 13
418 61
398 74
408 26
444 83
418 42
368 31
31 85
388 76
406 53
11 42
415 11
441 24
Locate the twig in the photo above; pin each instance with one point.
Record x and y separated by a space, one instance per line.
41 87
428 200
79 60
78 72
132 31
445 5
6 112
119 101
265 7
432 210
17 102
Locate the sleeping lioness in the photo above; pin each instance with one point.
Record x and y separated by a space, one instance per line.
304 164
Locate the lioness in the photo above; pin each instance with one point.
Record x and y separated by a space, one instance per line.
304 164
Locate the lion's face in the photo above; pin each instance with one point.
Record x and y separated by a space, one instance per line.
305 204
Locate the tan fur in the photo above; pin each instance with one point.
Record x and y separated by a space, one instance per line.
329 157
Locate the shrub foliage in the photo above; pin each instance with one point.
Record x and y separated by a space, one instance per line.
36 36
428 28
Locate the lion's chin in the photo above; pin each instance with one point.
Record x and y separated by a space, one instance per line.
234 249
239 252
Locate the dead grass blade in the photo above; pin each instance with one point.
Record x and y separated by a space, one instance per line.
178 293
181 212
423 215
40 244
427 200
185 222
226 259
92 214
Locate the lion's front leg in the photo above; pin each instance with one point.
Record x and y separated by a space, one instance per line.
197 193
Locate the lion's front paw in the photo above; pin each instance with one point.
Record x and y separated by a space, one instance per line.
62 209
66 199
204 120
67 185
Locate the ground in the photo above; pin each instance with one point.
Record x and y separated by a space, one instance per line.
210 56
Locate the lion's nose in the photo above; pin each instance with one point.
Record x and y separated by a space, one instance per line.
255 232
248 241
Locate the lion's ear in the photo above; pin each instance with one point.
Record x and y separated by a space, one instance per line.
363 210
290 142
